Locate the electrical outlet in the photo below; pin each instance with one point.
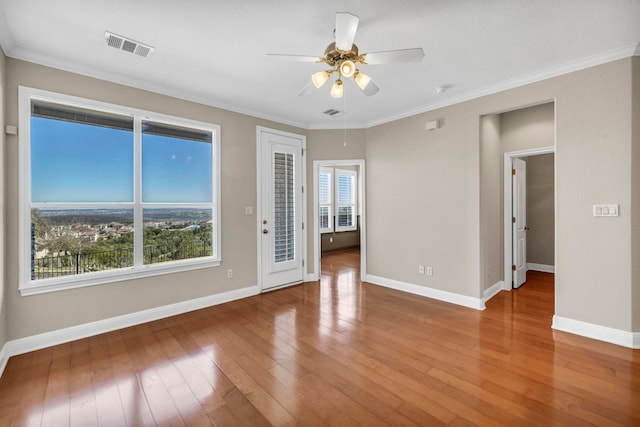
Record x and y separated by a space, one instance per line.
421 269
330 239
429 271
229 274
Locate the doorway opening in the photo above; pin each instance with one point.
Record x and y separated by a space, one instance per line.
524 132
522 210
339 219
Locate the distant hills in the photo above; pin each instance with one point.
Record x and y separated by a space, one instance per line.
124 216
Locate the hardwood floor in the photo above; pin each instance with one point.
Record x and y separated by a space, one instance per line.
336 353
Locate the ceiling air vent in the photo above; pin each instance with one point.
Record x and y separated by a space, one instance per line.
333 113
127 45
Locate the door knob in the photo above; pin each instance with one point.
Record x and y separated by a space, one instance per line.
265 231
526 228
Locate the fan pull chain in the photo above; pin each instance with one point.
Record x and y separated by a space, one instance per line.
344 118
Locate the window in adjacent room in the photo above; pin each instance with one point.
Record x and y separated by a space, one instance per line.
338 200
325 195
345 200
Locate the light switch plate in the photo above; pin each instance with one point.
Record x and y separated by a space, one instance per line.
605 210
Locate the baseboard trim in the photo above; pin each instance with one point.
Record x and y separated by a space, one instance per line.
450 297
60 336
541 267
313 277
597 332
492 291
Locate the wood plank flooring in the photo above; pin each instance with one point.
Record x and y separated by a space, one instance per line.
340 353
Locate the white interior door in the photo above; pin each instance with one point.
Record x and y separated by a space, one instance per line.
519 187
281 209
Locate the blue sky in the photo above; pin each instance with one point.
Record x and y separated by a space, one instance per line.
175 170
73 162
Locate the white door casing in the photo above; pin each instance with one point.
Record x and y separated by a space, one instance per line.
519 176
280 208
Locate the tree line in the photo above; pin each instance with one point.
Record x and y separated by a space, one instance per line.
159 244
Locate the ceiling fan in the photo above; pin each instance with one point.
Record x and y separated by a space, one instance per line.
342 56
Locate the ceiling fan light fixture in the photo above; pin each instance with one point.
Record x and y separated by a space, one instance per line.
337 90
342 57
320 78
347 68
362 80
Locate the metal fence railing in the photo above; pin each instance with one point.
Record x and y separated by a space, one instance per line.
86 262
162 253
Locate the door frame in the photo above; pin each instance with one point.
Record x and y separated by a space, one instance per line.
507 281
303 165
360 164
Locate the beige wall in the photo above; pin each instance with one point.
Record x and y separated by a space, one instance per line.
423 199
527 128
593 257
343 240
3 281
435 176
540 209
635 219
491 226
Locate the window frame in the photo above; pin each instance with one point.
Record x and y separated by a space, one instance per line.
354 199
27 286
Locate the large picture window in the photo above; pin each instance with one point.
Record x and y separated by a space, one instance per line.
111 193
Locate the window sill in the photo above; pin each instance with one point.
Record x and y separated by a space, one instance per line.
105 277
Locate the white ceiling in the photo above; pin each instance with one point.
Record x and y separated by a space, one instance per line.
213 51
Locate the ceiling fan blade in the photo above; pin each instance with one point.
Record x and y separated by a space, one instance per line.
371 89
346 26
307 90
394 56
298 58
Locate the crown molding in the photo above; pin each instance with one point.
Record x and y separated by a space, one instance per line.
136 83
7 43
544 74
